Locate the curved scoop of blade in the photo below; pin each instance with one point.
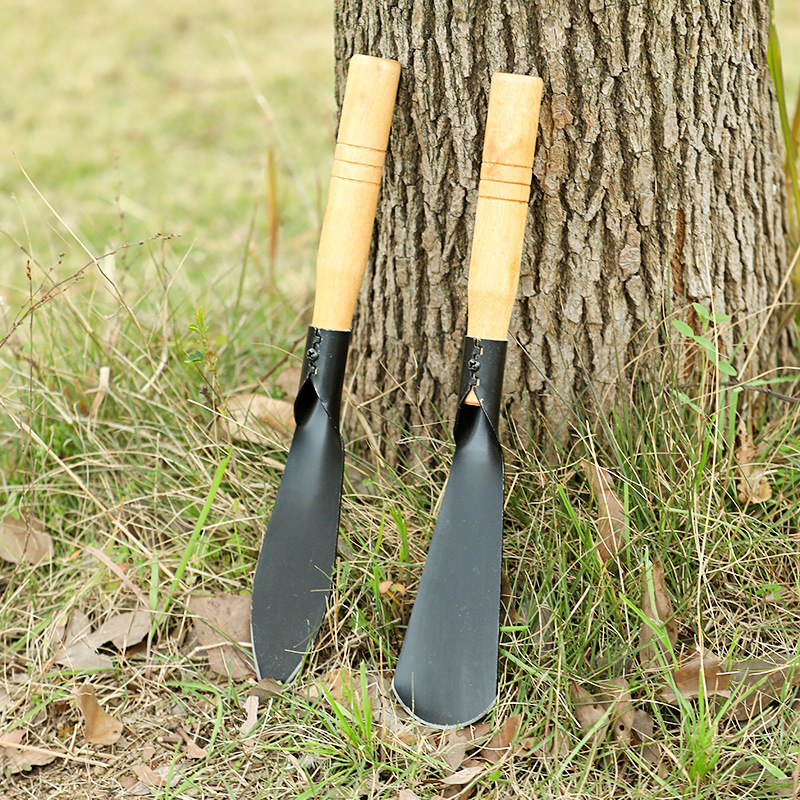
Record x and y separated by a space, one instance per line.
293 576
446 674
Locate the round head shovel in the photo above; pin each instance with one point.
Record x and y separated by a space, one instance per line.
293 576
447 670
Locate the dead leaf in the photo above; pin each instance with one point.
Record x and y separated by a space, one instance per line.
72 647
464 776
589 712
251 711
497 747
248 414
266 689
643 727
153 777
289 380
99 727
407 794
100 392
193 750
25 541
508 613
611 519
615 695
657 608
339 685
391 721
757 683
20 757
754 482
702 668
454 746
218 621
122 630
543 632
609 708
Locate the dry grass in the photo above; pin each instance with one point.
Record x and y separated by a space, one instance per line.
129 474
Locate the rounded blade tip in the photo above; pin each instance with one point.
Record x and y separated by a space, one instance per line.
444 721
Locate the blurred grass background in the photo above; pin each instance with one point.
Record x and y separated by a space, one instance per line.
148 118
787 20
144 117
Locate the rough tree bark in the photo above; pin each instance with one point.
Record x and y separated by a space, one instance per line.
657 182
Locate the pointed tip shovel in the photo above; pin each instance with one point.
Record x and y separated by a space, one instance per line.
293 575
447 670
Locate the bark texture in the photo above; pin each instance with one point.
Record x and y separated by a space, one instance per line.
657 182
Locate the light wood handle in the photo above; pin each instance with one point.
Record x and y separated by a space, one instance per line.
503 194
353 193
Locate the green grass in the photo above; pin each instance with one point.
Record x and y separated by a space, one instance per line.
140 122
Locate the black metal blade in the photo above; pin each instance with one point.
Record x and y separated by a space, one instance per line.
293 576
446 674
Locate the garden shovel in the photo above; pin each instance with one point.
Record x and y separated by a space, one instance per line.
293 575
447 670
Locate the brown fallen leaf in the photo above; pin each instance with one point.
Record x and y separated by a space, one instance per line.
508 614
72 646
99 727
289 380
754 479
542 625
612 521
122 630
391 721
267 689
20 759
702 668
251 715
193 750
454 746
100 392
464 776
657 608
608 709
218 621
616 696
589 712
643 727
25 541
154 777
249 414
497 747
757 683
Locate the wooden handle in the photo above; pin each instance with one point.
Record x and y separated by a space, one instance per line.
503 195
353 193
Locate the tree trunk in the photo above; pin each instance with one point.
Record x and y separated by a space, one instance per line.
657 183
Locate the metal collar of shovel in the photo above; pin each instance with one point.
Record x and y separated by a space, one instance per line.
323 372
482 370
